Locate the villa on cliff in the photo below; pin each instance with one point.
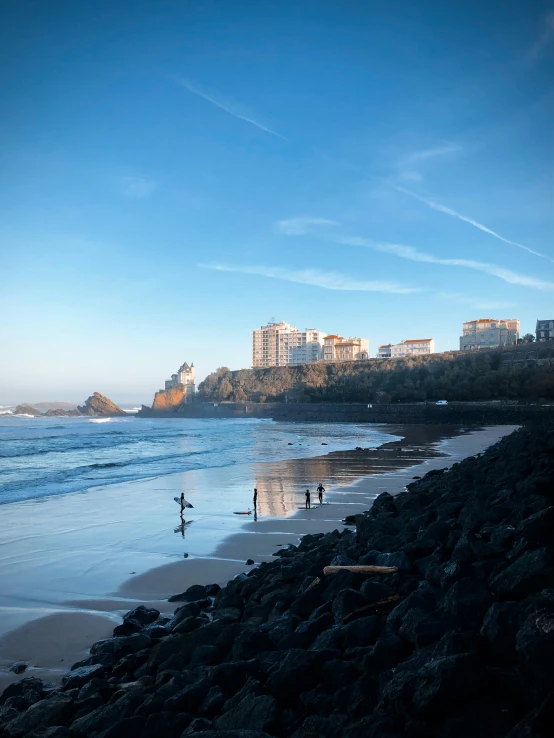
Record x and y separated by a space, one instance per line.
178 390
184 376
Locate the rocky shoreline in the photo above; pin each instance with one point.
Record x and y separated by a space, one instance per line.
457 640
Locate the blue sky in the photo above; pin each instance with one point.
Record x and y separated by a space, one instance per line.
175 174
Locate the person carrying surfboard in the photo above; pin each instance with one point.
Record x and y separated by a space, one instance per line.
320 491
308 499
182 500
255 497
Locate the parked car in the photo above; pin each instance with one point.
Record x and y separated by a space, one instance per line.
441 402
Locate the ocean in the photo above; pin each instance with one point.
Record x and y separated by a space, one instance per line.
42 457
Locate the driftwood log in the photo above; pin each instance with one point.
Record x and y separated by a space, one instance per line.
329 571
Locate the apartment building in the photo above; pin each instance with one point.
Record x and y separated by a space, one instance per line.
545 330
337 348
408 347
281 344
489 333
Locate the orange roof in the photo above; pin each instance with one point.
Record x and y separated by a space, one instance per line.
332 335
385 345
482 320
417 340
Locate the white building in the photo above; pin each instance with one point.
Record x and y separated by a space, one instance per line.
337 348
489 333
183 378
281 344
408 347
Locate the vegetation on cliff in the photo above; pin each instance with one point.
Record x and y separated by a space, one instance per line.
488 375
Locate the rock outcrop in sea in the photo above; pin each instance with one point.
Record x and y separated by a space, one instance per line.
97 404
456 642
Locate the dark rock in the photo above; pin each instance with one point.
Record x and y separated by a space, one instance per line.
142 615
166 724
467 600
232 675
535 648
212 589
126 628
122 646
127 728
250 562
347 602
421 629
529 573
42 714
442 684
23 688
195 592
499 629
297 673
79 677
188 699
361 632
252 713
18 667
375 591
399 559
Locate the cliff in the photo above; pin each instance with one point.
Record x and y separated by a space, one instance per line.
524 372
169 399
97 404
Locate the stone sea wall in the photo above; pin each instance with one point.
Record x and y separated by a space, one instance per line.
457 640
455 413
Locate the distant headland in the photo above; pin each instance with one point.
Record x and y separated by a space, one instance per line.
95 405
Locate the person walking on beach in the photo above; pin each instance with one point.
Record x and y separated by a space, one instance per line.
182 502
255 497
308 499
320 491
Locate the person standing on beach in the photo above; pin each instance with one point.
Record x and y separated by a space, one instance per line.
255 497
308 499
320 491
182 502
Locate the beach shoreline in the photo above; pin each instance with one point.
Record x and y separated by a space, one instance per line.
94 618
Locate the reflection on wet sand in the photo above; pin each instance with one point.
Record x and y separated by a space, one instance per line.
281 487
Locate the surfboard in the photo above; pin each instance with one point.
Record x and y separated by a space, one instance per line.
186 503
243 513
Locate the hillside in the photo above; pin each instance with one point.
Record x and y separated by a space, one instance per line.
518 373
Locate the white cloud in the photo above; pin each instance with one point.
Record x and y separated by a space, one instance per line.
448 211
303 226
412 254
137 187
229 107
315 278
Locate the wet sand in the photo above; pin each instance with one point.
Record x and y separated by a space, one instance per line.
96 570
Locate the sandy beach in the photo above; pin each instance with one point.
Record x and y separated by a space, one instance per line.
67 583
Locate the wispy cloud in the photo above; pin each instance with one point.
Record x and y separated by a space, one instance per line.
303 226
137 187
424 154
448 211
477 303
315 278
412 254
544 40
231 108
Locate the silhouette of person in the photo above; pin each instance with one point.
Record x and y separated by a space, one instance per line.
255 497
308 499
320 491
182 502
